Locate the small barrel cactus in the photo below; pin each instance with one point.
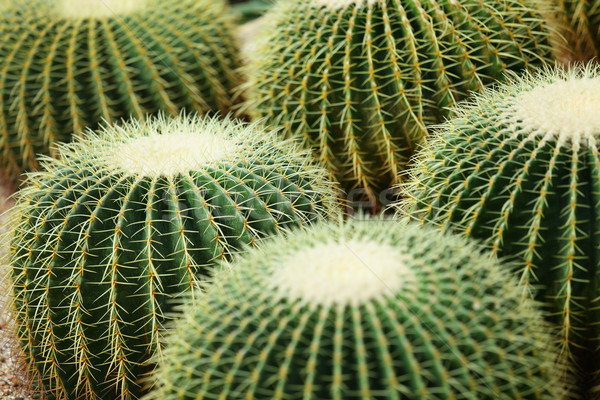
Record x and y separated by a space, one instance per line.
124 222
519 169
358 80
70 64
361 310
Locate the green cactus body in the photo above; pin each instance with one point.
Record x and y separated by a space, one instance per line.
361 310
582 19
67 65
519 169
358 80
124 222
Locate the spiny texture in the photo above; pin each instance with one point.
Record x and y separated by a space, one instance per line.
358 81
66 65
519 169
361 310
108 235
582 19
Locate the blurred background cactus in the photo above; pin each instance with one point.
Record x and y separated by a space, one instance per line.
108 235
519 169
358 81
582 19
69 64
361 310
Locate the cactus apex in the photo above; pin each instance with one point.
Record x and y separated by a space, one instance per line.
96 8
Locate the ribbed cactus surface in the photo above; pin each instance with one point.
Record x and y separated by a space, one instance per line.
519 169
358 80
66 65
361 310
108 235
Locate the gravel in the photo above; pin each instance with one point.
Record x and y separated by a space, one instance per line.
13 381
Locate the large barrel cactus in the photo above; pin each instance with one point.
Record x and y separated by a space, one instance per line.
124 222
69 64
361 310
358 80
519 169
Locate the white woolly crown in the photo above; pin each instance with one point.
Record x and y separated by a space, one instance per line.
567 108
170 154
344 273
97 8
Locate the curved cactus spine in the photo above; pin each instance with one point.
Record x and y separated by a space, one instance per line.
519 169
67 65
361 310
358 80
108 235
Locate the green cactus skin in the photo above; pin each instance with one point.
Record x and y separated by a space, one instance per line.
358 80
582 19
364 310
63 70
125 221
519 169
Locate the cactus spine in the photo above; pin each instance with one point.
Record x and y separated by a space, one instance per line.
126 221
360 310
67 65
519 169
358 80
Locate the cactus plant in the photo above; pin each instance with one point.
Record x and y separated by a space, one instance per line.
358 80
582 21
519 169
69 64
361 310
127 220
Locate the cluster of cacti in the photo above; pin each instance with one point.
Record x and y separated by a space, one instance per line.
359 80
361 310
581 26
122 226
108 235
69 64
519 169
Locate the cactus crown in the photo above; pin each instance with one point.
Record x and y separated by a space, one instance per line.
169 146
96 8
565 106
342 272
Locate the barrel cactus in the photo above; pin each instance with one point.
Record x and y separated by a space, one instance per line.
358 80
108 235
70 64
519 169
361 310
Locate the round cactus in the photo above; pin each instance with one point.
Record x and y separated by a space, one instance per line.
124 222
519 169
358 80
70 64
363 310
